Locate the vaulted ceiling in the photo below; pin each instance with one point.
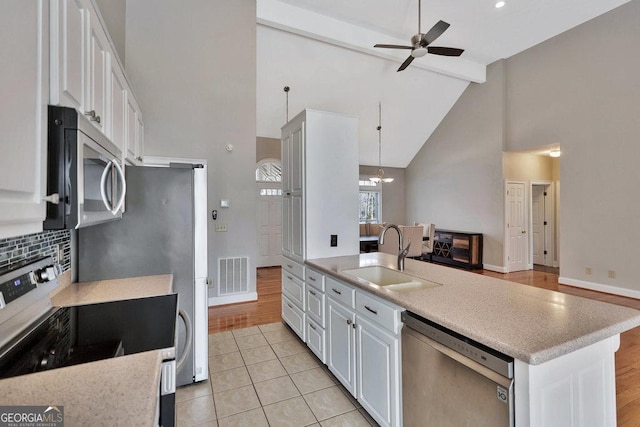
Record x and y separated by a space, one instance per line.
323 50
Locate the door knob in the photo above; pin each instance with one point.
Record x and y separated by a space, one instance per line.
523 231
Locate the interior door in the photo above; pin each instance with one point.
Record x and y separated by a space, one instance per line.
538 224
270 225
516 226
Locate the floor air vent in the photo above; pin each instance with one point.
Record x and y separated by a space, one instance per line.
233 275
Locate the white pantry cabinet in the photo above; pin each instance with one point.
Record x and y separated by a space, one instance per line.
24 85
320 185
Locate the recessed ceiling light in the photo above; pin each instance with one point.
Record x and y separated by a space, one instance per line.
500 4
555 153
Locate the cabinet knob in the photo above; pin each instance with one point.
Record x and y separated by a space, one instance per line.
312 292
91 113
348 321
523 231
139 158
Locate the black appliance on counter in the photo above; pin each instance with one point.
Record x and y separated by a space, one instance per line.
35 337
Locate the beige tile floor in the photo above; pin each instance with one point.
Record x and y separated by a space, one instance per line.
265 376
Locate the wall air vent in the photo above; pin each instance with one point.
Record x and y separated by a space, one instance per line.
233 275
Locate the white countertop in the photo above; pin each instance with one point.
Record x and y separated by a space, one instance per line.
530 324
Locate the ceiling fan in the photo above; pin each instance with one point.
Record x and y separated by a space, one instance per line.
420 43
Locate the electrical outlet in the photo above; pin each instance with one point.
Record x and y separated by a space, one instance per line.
587 270
334 240
221 227
612 274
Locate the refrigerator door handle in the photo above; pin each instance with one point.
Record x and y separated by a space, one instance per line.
187 344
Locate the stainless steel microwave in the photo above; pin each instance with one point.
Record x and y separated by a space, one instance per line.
85 179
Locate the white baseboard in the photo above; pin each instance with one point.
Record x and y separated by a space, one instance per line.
232 299
599 287
496 268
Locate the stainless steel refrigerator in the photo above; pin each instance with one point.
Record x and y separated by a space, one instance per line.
163 230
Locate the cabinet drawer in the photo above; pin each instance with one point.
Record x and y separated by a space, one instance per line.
316 339
315 305
378 311
293 316
315 279
293 267
341 292
293 288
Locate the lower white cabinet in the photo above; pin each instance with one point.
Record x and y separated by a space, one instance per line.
341 343
316 339
363 349
293 316
293 296
378 362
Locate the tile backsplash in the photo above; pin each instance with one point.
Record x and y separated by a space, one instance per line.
30 246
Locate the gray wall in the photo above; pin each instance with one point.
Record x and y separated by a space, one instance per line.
455 180
193 69
392 194
580 90
114 13
268 148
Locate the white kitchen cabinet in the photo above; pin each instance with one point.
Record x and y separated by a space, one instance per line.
293 297
378 362
315 313
341 343
135 132
98 73
118 108
24 49
69 58
85 74
363 349
320 185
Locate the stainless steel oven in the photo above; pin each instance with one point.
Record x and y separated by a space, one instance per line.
36 337
85 179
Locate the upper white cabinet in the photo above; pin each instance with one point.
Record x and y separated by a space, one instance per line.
320 185
24 49
69 62
135 132
86 75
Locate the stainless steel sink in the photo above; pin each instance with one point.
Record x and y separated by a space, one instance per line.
390 279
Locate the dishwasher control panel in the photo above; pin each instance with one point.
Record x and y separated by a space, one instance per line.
492 359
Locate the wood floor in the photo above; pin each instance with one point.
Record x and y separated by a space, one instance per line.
267 310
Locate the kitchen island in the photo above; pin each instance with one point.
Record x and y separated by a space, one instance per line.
563 345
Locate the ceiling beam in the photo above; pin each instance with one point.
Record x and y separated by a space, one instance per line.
306 23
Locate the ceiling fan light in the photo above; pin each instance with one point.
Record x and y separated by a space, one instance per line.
500 4
419 52
387 179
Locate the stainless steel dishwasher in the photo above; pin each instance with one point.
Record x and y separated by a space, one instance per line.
450 380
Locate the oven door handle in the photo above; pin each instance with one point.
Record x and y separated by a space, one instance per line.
187 344
103 186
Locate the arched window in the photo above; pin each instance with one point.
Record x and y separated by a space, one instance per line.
269 170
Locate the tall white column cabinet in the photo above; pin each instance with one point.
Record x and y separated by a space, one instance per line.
319 211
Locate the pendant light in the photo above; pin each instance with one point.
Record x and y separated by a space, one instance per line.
379 178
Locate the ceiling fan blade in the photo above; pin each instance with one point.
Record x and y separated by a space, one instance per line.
445 51
393 46
406 63
435 32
